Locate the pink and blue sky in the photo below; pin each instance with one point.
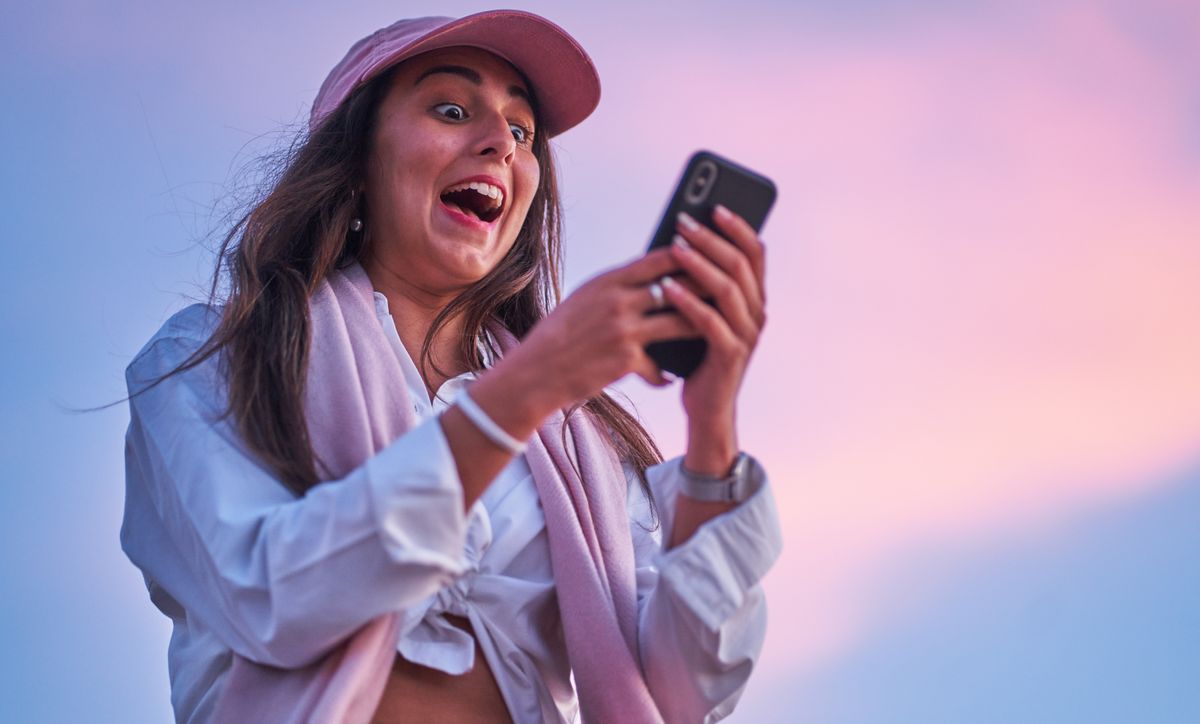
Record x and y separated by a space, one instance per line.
978 394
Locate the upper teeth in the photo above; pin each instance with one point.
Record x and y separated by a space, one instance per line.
480 187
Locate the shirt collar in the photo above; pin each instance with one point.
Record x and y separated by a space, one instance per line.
382 311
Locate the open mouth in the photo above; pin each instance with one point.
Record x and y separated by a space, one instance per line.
476 199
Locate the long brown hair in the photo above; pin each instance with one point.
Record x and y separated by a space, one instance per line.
277 253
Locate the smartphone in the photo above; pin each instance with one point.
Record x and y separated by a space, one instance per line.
707 180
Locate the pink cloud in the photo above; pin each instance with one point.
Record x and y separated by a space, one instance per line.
983 282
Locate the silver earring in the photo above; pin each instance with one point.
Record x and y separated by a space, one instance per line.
356 225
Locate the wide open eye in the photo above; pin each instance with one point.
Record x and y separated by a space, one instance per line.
453 111
521 133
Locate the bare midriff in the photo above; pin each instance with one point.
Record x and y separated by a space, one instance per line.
419 694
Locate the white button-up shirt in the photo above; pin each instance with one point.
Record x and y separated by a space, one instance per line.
239 564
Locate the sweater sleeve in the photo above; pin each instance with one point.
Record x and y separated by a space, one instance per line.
702 613
280 580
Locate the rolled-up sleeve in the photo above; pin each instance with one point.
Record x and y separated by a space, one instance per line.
280 580
702 613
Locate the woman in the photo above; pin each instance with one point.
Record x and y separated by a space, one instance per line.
383 481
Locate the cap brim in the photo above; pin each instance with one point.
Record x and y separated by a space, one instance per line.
564 79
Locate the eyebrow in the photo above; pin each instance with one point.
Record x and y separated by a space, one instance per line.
515 91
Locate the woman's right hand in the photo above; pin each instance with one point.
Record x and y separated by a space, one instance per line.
598 334
594 337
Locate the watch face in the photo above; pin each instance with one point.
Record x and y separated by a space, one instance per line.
738 471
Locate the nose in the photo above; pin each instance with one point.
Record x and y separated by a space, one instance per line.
496 139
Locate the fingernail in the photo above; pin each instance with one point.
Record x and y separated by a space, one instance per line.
669 282
681 242
668 376
688 222
722 212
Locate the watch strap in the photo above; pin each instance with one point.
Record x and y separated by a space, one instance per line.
732 488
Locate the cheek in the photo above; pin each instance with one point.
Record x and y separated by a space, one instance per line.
387 171
408 160
529 175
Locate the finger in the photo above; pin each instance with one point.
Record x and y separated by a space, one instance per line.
740 232
656 263
707 320
646 301
663 327
727 256
649 371
728 293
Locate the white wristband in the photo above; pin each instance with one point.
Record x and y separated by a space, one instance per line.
486 425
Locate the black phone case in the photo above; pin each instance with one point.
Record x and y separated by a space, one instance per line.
747 194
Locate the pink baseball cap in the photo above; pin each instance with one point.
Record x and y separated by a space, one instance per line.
564 79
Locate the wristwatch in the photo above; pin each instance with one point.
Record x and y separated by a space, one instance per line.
733 488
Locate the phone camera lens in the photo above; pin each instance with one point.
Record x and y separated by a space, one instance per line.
701 183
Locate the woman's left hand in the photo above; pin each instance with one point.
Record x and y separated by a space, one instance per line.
732 274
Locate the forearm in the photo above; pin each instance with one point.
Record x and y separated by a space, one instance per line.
702 616
268 572
517 399
697 672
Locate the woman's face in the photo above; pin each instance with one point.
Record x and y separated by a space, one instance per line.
451 173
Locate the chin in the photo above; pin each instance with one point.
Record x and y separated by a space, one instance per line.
468 269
